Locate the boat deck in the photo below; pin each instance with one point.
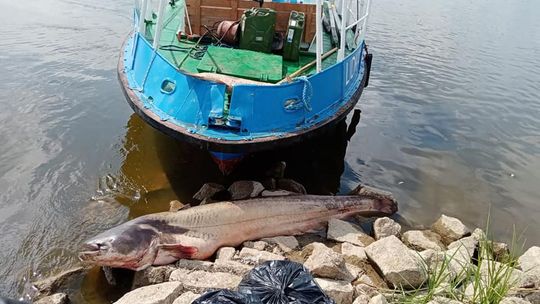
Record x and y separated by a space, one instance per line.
186 55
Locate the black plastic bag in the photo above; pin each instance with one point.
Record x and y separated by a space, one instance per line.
282 282
222 296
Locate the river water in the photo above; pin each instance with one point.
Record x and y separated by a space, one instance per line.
450 124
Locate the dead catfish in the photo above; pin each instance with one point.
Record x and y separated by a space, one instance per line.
197 232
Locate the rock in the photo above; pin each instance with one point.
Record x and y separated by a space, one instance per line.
186 298
285 243
245 189
362 299
152 275
254 256
420 240
479 234
378 299
326 263
407 270
199 281
530 264
385 226
354 270
175 205
57 298
443 300
163 293
500 250
450 229
365 290
291 186
268 193
207 191
517 278
514 300
428 256
370 277
355 255
339 291
194 264
225 253
258 245
470 243
343 231
52 284
232 267
454 262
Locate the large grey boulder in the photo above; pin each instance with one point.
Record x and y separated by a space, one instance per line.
385 226
420 240
163 293
199 281
57 298
450 229
339 291
254 256
285 243
326 263
353 254
530 264
245 189
152 275
399 266
186 298
343 231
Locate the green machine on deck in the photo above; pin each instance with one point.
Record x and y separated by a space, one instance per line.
258 26
294 35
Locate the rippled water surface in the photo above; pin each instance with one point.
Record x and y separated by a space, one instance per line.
451 123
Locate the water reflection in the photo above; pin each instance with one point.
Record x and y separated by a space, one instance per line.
163 169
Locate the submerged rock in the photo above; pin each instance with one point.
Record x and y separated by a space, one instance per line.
245 189
385 226
450 229
398 265
57 298
340 291
343 231
163 293
326 263
52 284
423 239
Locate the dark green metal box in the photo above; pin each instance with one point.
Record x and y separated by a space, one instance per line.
258 26
294 35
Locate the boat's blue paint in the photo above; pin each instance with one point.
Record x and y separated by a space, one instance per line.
255 111
226 156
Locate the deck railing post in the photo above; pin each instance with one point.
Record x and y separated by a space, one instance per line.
343 36
363 35
159 24
318 32
142 15
148 13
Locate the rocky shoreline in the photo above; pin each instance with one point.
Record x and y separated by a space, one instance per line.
447 264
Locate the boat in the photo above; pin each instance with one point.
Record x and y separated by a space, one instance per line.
236 76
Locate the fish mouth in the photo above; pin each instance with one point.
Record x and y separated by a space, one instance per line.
89 251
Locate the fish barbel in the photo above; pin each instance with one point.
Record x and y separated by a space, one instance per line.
197 232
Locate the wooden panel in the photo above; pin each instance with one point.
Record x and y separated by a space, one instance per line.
209 12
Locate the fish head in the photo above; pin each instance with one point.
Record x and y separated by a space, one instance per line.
132 245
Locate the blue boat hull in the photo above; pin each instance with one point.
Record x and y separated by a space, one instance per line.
259 109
